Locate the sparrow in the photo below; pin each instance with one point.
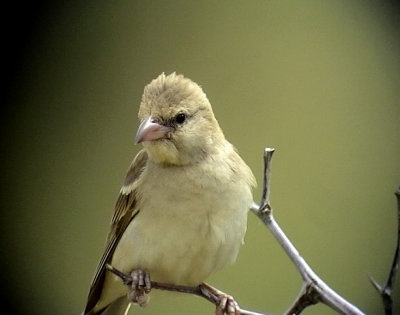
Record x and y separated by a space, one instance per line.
181 213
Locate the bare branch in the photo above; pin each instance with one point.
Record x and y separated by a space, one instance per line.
307 297
386 291
314 289
203 290
265 204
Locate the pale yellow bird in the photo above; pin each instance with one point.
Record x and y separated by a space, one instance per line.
182 211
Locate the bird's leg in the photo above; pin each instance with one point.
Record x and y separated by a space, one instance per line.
225 303
140 287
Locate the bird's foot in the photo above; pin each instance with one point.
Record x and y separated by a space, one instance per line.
226 305
140 287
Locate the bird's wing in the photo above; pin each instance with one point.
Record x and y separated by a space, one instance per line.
125 211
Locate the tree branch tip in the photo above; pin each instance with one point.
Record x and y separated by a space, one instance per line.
375 284
397 192
268 152
127 279
113 270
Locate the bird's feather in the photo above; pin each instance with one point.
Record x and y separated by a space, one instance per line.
193 192
124 212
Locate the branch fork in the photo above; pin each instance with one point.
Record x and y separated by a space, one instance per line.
385 291
203 290
313 291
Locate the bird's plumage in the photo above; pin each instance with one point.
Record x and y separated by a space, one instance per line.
182 210
124 212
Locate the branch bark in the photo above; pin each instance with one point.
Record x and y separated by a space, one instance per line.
314 289
203 290
385 291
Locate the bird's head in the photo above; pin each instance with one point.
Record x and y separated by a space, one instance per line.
178 126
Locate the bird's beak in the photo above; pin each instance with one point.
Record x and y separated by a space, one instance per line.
150 130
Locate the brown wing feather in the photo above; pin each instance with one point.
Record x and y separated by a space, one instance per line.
124 212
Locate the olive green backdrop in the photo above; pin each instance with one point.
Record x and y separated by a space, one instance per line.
317 80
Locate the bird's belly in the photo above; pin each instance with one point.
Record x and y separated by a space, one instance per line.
180 246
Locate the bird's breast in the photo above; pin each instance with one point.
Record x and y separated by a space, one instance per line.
190 224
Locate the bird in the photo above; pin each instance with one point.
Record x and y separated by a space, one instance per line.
181 213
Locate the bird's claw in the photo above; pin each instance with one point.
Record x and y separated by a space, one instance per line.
227 306
140 287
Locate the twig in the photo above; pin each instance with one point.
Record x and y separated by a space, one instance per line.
307 297
386 291
314 289
264 204
203 290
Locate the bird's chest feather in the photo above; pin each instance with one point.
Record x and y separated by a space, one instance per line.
188 225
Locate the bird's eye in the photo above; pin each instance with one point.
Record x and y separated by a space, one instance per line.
180 118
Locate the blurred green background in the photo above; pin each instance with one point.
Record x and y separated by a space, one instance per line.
317 80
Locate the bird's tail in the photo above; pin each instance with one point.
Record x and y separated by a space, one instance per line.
118 307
